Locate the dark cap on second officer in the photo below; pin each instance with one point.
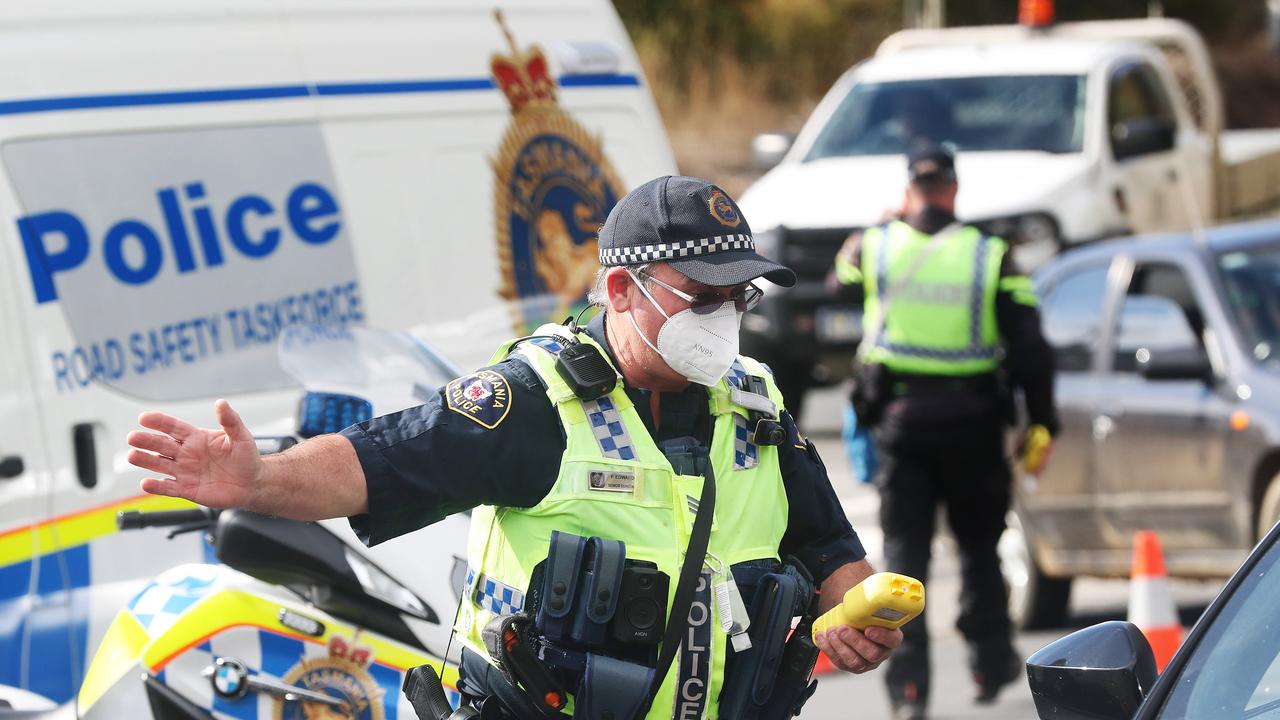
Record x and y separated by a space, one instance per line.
693 226
931 164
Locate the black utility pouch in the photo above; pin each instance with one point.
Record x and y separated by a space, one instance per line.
870 395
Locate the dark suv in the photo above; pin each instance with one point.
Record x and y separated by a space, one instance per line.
1168 385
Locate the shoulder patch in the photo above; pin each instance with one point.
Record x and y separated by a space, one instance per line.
483 397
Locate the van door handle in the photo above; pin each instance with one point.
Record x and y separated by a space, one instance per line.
86 452
11 466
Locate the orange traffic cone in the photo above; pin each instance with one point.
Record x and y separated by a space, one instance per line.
824 665
1151 605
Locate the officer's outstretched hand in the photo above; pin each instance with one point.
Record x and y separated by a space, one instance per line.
858 651
215 468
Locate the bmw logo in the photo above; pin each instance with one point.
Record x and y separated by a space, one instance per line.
230 678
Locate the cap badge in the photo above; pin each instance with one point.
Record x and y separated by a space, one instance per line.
722 210
926 167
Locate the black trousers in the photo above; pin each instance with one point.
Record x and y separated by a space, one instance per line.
960 465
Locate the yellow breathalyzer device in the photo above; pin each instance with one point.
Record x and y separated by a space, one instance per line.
886 600
1037 444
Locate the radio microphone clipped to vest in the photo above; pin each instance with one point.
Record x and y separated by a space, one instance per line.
585 368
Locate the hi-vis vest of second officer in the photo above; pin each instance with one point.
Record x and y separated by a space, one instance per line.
942 321
646 505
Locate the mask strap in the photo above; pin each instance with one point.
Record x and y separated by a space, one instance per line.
632 317
640 332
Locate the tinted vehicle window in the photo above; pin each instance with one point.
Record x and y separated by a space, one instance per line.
1024 112
1073 317
1130 97
1233 671
1252 281
1137 97
1160 314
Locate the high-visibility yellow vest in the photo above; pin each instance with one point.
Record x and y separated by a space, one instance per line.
942 321
654 519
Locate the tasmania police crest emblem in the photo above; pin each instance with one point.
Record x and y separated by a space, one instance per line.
553 188
343 676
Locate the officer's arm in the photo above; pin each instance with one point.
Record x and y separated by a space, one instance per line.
489 438
1028 356
818 533
844 282
317 479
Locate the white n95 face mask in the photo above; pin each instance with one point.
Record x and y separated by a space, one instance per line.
701 346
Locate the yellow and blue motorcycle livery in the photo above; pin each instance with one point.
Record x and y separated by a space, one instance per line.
292 623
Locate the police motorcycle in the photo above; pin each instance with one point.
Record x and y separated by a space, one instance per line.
291 623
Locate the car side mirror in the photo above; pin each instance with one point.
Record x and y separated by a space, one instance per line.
768 149
1186 364
1143 136
1100 672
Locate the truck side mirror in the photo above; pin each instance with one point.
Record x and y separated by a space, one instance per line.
768 149
1142 136
1103 672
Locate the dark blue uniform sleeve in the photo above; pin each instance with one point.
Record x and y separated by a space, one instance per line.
488 438
818 533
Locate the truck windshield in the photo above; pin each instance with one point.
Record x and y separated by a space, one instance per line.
1252 280
1019 112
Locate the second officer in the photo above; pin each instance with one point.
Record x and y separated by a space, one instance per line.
948 324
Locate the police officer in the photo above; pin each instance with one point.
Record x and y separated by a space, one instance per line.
678 260
945 312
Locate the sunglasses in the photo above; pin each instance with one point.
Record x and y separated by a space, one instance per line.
704 303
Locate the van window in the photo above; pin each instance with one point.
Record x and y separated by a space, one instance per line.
1073 317
177 257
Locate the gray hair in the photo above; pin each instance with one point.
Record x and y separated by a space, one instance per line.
599 294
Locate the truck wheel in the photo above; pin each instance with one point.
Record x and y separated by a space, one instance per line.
1036 601
1269 508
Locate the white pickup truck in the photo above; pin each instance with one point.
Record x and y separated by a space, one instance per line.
1064 135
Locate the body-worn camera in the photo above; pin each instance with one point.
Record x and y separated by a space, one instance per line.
642 605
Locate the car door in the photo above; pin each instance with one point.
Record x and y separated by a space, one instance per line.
1161 440
1058 505
1143 131
24 500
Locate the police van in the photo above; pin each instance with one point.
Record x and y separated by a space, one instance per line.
182 180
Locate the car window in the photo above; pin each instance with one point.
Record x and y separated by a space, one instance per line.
1137 97
1232 673
1161 105
1251 277
1160 313
1073 317
1129 98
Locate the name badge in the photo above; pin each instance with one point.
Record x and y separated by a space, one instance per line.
620 481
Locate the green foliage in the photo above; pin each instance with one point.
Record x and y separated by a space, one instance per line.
795 49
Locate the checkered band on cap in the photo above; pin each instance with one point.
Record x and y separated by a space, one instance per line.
638 254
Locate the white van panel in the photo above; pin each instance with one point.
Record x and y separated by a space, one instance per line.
409 121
